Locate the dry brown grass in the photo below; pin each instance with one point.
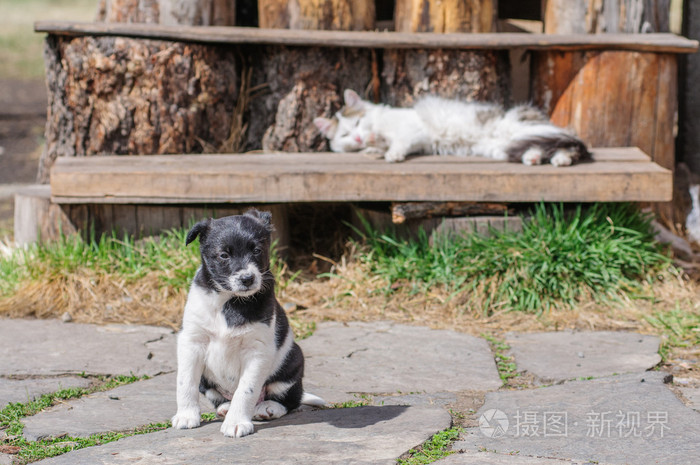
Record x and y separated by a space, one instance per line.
351 294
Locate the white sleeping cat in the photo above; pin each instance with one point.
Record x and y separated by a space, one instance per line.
450 127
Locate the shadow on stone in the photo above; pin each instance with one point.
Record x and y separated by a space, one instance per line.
344 418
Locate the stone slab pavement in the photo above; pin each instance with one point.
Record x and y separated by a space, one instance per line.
413 376
120 409
565 355
26 390
384 357
361 435
51 347
626 419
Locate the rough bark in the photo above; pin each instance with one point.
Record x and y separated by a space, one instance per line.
337 15
112 95
170 12
465 74
302 83
445 15
599 16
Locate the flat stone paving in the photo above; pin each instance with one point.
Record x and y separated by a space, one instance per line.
361 435
120 409
26 390
50 347
633 418
384 357
565 355
413 376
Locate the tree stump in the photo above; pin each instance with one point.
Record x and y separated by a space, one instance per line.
304 83
463 74
111 95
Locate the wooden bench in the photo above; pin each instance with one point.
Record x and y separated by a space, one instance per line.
596 84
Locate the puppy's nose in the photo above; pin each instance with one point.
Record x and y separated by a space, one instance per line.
247 279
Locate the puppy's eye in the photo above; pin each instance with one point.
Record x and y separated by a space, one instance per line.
224 256
257 251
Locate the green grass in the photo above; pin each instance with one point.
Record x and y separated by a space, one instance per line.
558 259
505 363
433 449
29 451
680 327
124 257
360 400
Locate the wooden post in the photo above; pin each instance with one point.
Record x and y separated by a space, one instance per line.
464 74
304 83
598 16
336 15
445 15
170 12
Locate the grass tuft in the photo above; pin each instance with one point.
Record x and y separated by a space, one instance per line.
558 259
433 449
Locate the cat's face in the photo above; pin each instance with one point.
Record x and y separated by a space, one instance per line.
348 130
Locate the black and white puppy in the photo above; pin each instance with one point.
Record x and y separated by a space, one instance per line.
236 345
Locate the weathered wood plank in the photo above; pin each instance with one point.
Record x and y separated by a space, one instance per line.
660 42
324 177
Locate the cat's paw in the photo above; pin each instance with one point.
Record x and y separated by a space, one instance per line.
561 158
237 430
393 156
186 419
372 151
532 156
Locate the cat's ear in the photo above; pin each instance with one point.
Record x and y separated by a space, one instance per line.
352 99
327 126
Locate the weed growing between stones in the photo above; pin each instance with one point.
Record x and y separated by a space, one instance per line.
30 451
433 449
505 363
360 400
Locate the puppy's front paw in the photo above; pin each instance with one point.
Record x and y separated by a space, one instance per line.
237 430
532 156
186 420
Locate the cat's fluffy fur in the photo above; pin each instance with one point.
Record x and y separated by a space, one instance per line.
450 127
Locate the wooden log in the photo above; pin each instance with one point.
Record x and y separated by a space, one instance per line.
169 12
335 15
36 218
611 98
400 212
462 74
305 83
129 96
605 16
445 15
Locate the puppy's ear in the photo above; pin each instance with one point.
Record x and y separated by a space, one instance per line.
326 126
265 218
352 99
199 229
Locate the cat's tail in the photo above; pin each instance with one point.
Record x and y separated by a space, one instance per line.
312 400
548 145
